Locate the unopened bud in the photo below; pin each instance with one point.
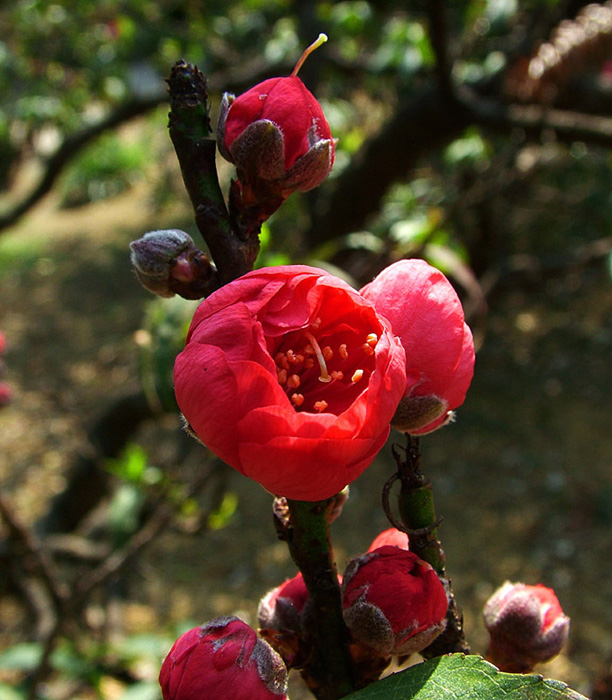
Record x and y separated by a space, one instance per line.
5 394
526 626
168 263
224 658
280 619
393 601
277 135
416 412
391 537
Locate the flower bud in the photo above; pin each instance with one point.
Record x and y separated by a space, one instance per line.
168 263
224 654
276 132
393 601
280 619
526 625
392 537
5 394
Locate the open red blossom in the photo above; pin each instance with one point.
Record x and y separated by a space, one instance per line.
426 313
223 659
393 601
291 377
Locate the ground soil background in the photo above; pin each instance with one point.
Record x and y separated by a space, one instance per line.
523 478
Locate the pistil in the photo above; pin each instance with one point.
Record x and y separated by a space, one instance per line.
324 376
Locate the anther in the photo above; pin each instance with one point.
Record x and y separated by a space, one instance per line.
281 375
297 399
357 375
337 375
343 351
372 340
368 349
293 382
324 377
320 406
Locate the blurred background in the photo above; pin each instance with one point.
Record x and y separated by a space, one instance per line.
472 133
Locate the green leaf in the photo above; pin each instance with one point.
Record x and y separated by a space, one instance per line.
466 677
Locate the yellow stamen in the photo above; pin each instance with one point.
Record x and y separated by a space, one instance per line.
324 377
372 340
343 351
328 353
315 45
297 399
357 375
293 382
320 406
281 375
337 374
368 349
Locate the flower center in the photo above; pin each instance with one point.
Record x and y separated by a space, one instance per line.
322 371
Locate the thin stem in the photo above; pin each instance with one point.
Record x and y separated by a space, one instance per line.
418 513
190 131
329 670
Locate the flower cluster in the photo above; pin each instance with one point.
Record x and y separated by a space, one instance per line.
5 390
226 653
293 377
526 626
393 602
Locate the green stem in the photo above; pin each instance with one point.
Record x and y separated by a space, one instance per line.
329 671
418 514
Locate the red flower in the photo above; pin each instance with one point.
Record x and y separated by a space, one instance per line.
392 537
291 377
226 653
393 601
277 132
426 313
526 625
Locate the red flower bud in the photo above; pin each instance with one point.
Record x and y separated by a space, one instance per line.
168 263
281 607
426 313
5 394
277 132
392 537
280 616
225 654
393 601
526 625
2 343
291 377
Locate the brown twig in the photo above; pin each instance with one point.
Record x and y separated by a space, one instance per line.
34 550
